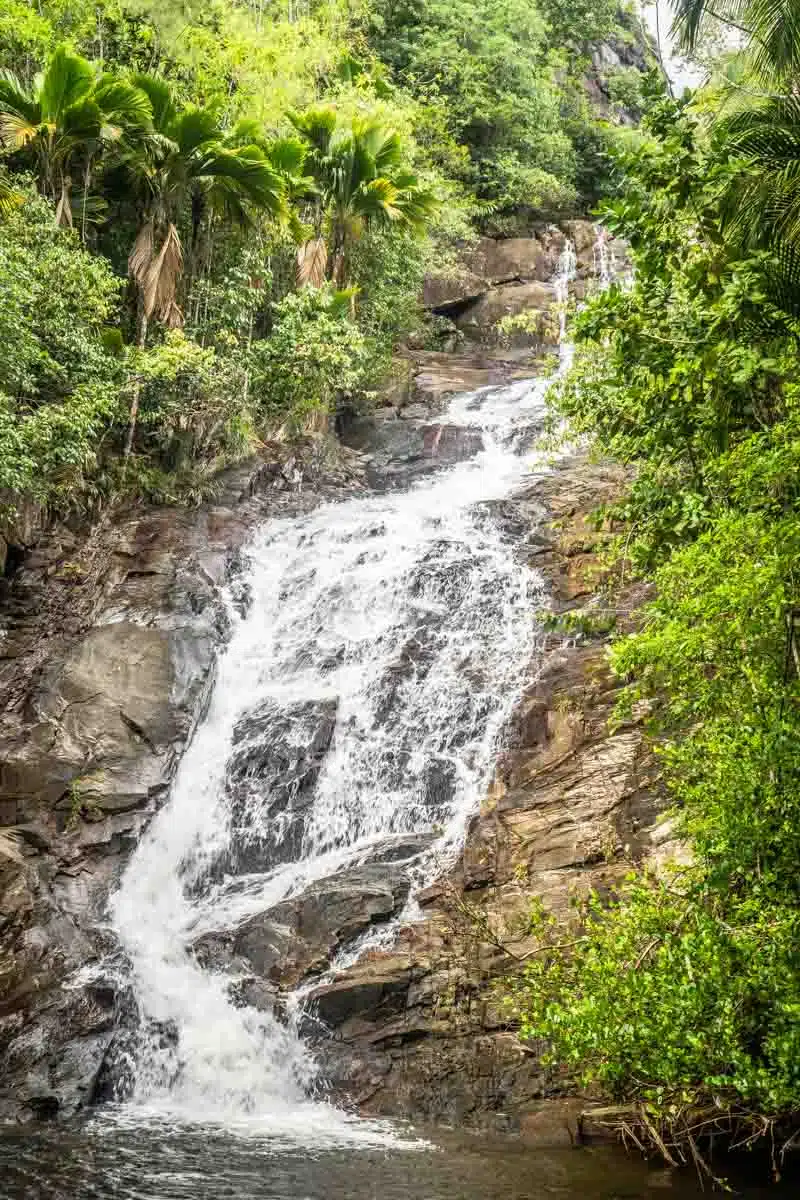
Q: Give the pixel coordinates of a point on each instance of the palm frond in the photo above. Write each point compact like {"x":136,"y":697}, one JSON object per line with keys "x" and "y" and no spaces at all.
{"x":775,"y":28}
{"x":771,"y":29}
{"x":161,"y":281}
{"x":141,"y":256}
{"x":195,"y":128}
{"x":383,"y":144}
{"x":20,"y":113}
{"x":376,"y":201}
{"x":162,"y":101}
{"x":81,"y":122}
{"x":67,"y":80}
{"x":287,"y":155}
{"x":316,"y":125}
{"x":416,"y":204}
{"x":246,"y":132}
{"x":10,"y":198}
{"x":246,"y":172}
{"x":122,"y":104}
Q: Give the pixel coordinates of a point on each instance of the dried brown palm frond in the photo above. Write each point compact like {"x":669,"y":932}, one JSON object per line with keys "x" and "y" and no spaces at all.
{"x":141,"y":256}
{"x":162,"y":278}
{"x":312,"y":263}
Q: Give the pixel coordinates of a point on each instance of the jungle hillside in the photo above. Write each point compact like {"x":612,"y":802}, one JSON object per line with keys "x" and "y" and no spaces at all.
{"x":216,"y":218}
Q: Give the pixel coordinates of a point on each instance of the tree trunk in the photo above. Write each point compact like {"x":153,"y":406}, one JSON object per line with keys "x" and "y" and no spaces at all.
{"x":137,"y":391}
{"x":338,"y":259}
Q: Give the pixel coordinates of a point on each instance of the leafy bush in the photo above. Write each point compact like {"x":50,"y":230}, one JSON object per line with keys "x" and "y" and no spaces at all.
{"x":190,"y":160}
{"x":485,"y":79}
{"x":58,"y":381}
{"x":192,"y":405}
{"x":682,"y":991}
{"x":689,"y":984}
{"x":314,"y":354}
{"x":55,"y":301}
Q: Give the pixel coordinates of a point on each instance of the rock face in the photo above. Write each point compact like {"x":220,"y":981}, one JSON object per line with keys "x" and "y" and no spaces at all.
{"x":444,"y":292}
{"x":504,"y":277}
{"x":277,"y":761}
{"x":108,"y":647}
{"x":419,"y":1030}
{"x":509,"y":300}
{"x":300,"y":937}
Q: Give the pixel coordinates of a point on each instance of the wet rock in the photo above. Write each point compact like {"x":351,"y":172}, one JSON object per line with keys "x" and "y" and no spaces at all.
{"x":373,"y":994}
{"x":451,"y":443}
{"x":494,"y":261}
{"x":439,"y":376}
{"x":480,"y":319}
{"x":301,"y":936}
{"x":409,"y":446}
{"x":412,"y":662}
{"x":501,"y":260}
{"x":21,"y":525}
{"x":55,"y":1063}
{"x":277,"y":758}
{"x":400,"y":847}
{"x":582,"y":234}
{"x":441,"y":780}
{"x":419,"y":1029}
{"x":109,"y":636}
{"x":442,"y":293}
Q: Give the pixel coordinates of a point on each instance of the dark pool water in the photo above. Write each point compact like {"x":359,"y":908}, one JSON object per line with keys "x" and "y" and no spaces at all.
{"x":155,"y":1162}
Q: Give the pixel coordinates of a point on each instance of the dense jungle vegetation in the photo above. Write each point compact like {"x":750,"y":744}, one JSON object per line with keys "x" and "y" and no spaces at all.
{"x":679,"y":997}
{"x":215,"y":217}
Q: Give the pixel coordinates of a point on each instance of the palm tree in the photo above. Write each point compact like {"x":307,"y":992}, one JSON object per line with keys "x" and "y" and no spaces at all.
{"x":758,"y":124}
{"x":66,"y":118}
{"x":362,"y":180}
{"x":186,"y":172}
{"x":770,"y":30}
{"x":287,"y":156}
{"x":186,"y":169}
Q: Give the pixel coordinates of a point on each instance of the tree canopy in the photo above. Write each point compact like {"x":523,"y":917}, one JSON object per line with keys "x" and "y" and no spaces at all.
{"x":209,"y":170}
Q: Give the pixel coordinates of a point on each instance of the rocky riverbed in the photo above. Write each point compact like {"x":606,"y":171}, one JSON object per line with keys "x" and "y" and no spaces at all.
{"x":109,"y":642}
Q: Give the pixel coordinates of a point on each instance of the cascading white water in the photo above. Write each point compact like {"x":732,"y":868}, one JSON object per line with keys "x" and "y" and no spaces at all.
{"x":565,"y":273}
{"x":361,"y":698}
{"x":605,"y":264}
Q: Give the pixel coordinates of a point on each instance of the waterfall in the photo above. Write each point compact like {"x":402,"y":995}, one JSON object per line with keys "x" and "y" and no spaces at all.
{"x":565,"y":272}
{"x":360,"y":703}
{"x":605,"y":263}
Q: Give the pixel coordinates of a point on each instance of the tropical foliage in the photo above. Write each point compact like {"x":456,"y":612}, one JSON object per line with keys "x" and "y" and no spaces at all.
{"x":361,"y":180}
{"x":498,"y":100}
{"x":196,"y":179}
{"x":681,"y":994}
{"x":62,"y":123}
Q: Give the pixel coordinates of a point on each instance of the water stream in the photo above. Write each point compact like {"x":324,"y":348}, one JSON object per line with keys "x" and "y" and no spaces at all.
{"x":357,"y":712}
